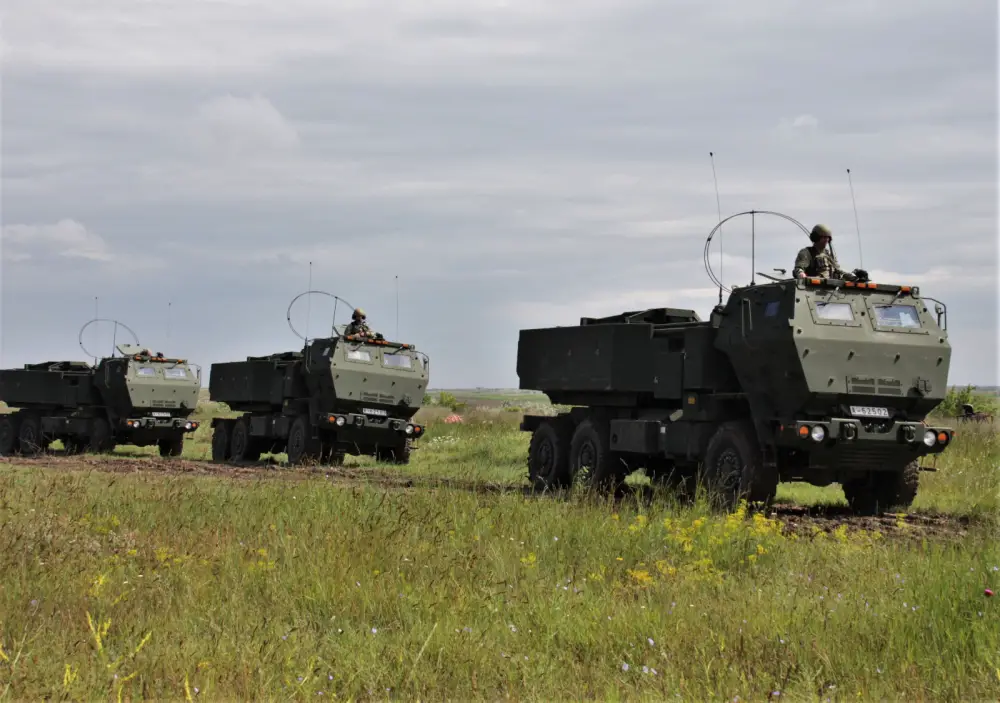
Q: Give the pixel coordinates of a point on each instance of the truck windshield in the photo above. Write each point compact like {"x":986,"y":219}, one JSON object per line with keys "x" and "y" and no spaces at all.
{"x":897,"y":316}
{"x":358,"y":355}
{"x":834,"y":311}
{"x":175,"y":372}
{"x":145,"y":371}
{"x":399,"y":361}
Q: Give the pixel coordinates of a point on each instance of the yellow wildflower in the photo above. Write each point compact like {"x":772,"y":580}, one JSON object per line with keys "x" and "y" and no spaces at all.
{"x":640,"y":576}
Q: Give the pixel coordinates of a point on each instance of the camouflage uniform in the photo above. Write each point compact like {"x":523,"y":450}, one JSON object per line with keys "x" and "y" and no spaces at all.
{"x":817,"y":263}
{"x":811,"y":261}
{"x":358,"y":325}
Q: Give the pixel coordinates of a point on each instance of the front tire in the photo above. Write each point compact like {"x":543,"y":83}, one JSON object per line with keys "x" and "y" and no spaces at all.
{"x":171,"y":446}
{"x":400,"y":454}
{"x":101,"y":441}
{"x":734,"y":467}
{"x":302,"y":447}
{"x":882,"y":491}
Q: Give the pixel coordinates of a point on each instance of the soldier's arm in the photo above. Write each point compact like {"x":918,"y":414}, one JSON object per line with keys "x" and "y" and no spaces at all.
{"x":801,"y":264}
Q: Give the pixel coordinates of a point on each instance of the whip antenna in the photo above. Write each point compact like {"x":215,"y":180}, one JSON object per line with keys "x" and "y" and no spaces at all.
{"x":718,"y":206}
{"x":861,"y":258}
{"x":309,"y":301}
{"x":96,"y":315}
{"x":397,"y":307}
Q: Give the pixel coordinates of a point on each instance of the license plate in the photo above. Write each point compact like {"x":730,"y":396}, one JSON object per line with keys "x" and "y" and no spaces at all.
{"x":155,"y":414}
{"x":865,"y":411}
{"x":375,"y":411}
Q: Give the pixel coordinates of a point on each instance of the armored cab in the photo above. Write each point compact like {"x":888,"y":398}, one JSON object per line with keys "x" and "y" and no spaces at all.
{"x":138,"y":398}
{"x":817,"y":380}
{"x":343,"y":394}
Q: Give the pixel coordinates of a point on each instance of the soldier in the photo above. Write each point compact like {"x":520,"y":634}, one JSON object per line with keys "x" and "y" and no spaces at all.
{"x":817,"y":260}
{"x":358,"y":325}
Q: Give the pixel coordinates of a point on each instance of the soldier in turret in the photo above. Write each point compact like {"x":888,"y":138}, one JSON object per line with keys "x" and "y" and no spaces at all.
{"x":818,"y":260}
{"x":358,"y":324}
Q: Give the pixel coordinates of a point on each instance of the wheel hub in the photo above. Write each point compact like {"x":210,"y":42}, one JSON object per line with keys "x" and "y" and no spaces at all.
{"x":546,"y":457}
{"x":728,"y":468}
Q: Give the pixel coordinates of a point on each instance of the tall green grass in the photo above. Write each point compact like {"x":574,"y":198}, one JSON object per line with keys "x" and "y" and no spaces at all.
{"x":157,"y":586}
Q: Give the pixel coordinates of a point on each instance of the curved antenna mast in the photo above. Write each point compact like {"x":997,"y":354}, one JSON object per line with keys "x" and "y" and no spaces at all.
{"x":718,"y":207}
{"x":718,"y":227}
{"x":861,"y":258}
{"x":288,"y":313}
{"x":753,"y":246}
{"x":116,"y":323}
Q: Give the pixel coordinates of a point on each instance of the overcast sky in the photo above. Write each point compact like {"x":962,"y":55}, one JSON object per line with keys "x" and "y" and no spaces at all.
{"x":516,"y":163}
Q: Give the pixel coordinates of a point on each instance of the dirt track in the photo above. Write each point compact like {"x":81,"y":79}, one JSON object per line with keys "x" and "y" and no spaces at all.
{"x":803,"y":520}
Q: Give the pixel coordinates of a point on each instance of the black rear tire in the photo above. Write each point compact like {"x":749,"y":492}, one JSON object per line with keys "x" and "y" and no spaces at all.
{"x":220,"y":442}
{"x":8,"y":434}
{"x":592,"y":464}
{"x":74,"y":445}
{"x":548,"y":456}
{"x":29,"y":435}
{"x":242,"y":445}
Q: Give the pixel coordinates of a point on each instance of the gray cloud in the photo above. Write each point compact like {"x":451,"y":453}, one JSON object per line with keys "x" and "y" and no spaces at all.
{"x":516,"y":163}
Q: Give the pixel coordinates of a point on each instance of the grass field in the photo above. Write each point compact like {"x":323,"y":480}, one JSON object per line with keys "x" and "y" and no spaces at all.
{"x":134,"y":577}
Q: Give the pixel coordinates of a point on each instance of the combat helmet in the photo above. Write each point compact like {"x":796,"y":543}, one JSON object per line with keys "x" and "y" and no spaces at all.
{"x":358,"y":314}
{"x":820,"y":231}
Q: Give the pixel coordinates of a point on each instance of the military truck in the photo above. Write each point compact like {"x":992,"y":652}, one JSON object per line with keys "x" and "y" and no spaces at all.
{"x":138,"y":398}
{"x":341,"y":394}
{"x":816,"y":380}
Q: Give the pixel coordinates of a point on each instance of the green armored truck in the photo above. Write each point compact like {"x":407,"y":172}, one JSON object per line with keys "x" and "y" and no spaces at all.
{"x":138,"y":398}
{"x":806,"y":379}
{"x":343,"y":394}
